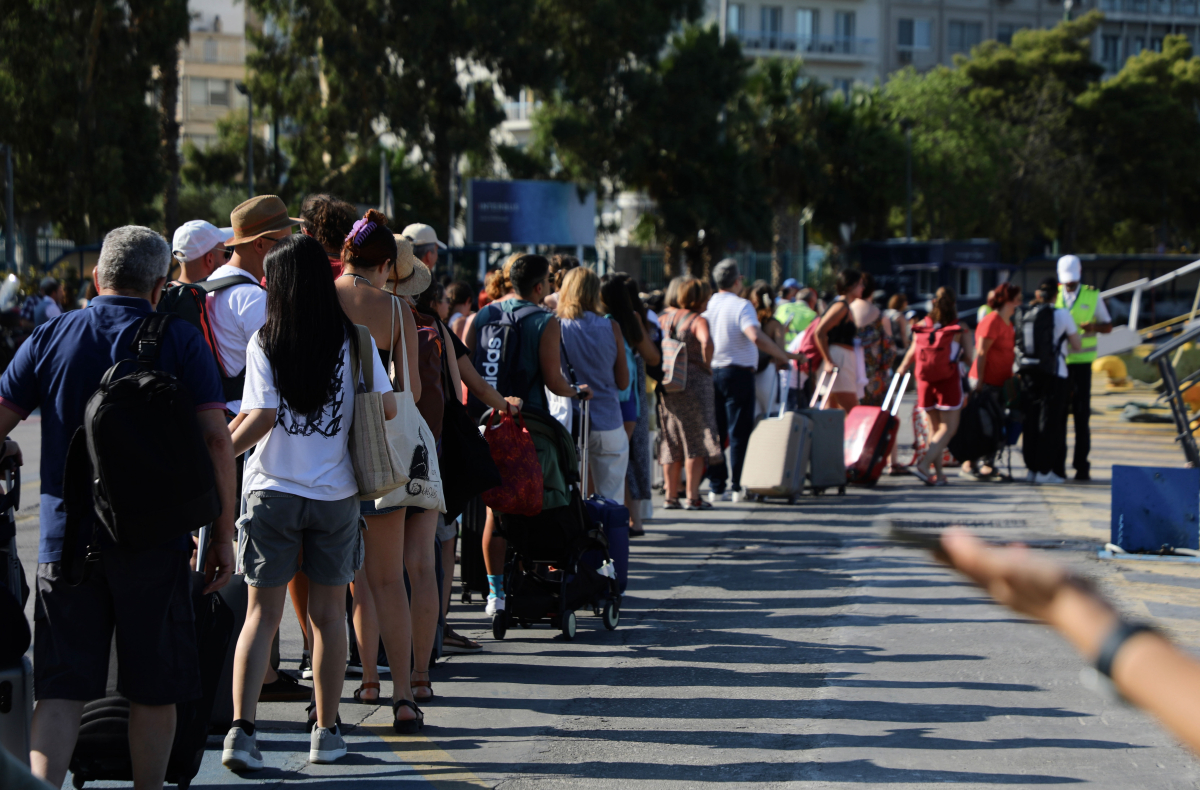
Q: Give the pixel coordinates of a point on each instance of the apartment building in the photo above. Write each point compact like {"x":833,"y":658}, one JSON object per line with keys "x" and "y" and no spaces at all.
{"x":210,"y":66}
{"x":1131,"y":26}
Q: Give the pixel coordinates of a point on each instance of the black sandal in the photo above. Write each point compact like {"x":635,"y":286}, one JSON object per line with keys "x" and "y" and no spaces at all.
{"x":367,"y":686}
{"x":407,"y":726}
{"x":672,"y":504}
{"x":312,"y":723}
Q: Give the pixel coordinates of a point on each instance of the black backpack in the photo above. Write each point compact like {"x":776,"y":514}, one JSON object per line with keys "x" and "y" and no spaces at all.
{"x":1043,"y":356}
{"x":189,"y":302}
{"x":139,"y":460}
{"x":497,"y":352}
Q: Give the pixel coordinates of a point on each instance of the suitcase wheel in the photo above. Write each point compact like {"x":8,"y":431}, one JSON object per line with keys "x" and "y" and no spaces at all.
{"x":818,"y":491}
{"x":78,"y":781}
{"x":568,"y":626}
{"x":499,"y":624}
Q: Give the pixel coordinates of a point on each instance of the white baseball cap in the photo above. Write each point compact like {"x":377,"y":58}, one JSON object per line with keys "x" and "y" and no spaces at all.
{"x":420,"y":233}
{"x":1070,"y":269}
{"x":196,"y":238}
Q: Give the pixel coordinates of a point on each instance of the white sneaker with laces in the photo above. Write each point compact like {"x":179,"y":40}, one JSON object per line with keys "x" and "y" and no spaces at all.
{"x":241,"y":751}
{"x":1031,"y":477}
{"x":736,"y":496}
{"x":494,"y":605}
{"x":1049,"y":479}
{"x":326,"y":746}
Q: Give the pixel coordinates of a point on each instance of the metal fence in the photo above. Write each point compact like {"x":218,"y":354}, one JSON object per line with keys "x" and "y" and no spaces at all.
{"x":753,"y":265}
{"x":47,"y":250}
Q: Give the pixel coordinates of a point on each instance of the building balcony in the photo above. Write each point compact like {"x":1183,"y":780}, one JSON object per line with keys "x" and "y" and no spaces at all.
{"x":841,"y":48}
{"x":520,"y":110}
{"x":1186,"y":8}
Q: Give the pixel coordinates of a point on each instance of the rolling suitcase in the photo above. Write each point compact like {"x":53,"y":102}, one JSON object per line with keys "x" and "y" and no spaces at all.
{"x":612,"y":516}
{"x":778,"y":454}
{"x":826,"y":467}
{"x":16,"y":708}
{"x":472,"y":573}
{"x":102,"y":749}
{"x":871,"y":433}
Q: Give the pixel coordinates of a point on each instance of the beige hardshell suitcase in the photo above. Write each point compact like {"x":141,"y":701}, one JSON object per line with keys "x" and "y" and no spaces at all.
{"x":778,"y":454}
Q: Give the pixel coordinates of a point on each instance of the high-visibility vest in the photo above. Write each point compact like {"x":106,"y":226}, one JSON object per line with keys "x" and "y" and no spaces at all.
{"x":1083,"y":312}
{"x":982,"y":312}
{"x":795,"y":317}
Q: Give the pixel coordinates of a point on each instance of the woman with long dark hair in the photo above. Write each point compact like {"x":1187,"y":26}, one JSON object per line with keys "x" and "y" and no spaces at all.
{"x":939,"y":380}
{"x":300,"y":486}
{"x":625,"y":307}
{"x":372,"y":255}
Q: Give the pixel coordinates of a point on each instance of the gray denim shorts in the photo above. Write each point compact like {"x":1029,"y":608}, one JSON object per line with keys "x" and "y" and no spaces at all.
{"x":280,"y":524}
{"x":446,"y":531}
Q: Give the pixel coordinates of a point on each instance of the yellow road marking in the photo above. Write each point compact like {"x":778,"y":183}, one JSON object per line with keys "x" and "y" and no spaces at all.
{"x":428,"y":759}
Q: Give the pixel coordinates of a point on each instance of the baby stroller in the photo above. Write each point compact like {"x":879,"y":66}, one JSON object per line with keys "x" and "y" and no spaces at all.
{"x":546,"y":577}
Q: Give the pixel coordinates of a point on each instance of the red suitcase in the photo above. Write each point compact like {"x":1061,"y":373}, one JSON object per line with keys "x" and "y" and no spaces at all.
{"x":871,"y":433}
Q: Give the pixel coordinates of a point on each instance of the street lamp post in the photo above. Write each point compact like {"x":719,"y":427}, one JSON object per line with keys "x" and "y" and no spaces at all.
{"x":242,"y":89}
{"x":906,"y":125}
{"x":1067,"y":4}
{"x":10,"y":224}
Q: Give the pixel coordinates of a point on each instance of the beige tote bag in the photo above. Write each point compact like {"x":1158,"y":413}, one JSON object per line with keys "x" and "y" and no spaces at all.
{"x":377,"y":467}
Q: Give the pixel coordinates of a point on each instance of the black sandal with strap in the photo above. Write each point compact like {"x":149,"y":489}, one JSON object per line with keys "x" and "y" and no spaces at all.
{"x":312,"y":723}
{"x":407,"y":726}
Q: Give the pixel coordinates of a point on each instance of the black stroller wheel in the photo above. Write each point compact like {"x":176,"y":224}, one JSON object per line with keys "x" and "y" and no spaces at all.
{"x":612,"y":615}
{"x":500,"y":624}
{"x":568,"y":625}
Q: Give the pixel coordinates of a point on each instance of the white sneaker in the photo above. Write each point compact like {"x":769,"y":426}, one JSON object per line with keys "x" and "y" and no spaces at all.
{"x":1049,"y":479}
{"x":736,"y":496}
{"x":494,"y":605}
{"x":241,"y":751}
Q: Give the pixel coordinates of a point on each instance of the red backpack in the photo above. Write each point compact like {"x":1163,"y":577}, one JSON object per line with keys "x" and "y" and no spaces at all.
{"x":933,"y":360}
{"x":808,"y":346}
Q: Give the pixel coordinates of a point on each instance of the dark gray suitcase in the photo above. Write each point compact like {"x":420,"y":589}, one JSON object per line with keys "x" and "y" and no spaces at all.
{"x":827,"y":467}
{"x":16,"y":709}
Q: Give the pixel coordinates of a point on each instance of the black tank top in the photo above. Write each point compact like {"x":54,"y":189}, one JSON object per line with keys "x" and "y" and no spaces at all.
{"x":844,"y":333}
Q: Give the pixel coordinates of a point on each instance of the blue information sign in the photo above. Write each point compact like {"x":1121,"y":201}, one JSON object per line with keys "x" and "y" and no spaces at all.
{"x":530,"y":212}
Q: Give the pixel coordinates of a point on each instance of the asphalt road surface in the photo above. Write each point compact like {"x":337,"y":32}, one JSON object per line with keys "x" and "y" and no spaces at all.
{"x":766,"y":645}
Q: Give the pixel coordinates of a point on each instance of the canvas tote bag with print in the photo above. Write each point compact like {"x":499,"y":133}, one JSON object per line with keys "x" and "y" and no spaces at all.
{"x":675,"y":355}
{"x":377,"y":467}
{"x":413,"y":442}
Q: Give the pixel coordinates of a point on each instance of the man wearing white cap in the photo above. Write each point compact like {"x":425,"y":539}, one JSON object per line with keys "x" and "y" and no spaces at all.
{"x":1091,"y":316}
{"x":199,"y":247}
{"x":425,"y":244}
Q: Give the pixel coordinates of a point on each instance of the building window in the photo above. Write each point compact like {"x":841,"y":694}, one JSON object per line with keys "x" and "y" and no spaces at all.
{"x":735,"y":15}
{"x":210,"y":50}
{"x":806,"y":28}
{"x":213,"y":93}
{"x":1110,"y":52}
{"x":913,"y":34}
{"x":926,"y":282}
{"x":772,"y":26}
{"x":964,"y":35}
{"x":970,"y":282}
{"x":842,"y":86}
{"x":1005,"y":32}
{"x":843,"y":31}
{"x":1156,"y":44}
{"x":1137,"y":45}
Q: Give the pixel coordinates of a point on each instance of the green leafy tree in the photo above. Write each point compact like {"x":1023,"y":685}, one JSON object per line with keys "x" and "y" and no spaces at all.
{"x":87,"y":145}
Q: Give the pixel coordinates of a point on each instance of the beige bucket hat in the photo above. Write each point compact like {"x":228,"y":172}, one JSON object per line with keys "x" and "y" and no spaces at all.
{"x":411,"y":277}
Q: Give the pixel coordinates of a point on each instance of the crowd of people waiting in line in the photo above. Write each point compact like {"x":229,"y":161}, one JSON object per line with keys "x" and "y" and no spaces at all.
{"x":274,"y":383}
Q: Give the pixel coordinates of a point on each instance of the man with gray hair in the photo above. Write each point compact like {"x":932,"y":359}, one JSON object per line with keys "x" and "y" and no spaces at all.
{"x":737,"y":339}
{"x":58,"y":369}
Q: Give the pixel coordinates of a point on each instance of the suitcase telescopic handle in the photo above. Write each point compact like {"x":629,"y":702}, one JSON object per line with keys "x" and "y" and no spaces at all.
{"x":584,"y":432}
{"x":783,"y":393}
{"x":826,"y":377}
{"x":894,"y":396}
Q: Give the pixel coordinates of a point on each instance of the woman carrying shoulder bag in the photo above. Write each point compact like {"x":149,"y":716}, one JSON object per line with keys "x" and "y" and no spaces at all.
{"x":370,"y":257}
{"x":300,"y":485}
{"x":834,"y":338}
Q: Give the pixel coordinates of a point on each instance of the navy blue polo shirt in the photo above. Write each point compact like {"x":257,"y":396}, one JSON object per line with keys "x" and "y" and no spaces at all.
{"x":59,"y":368}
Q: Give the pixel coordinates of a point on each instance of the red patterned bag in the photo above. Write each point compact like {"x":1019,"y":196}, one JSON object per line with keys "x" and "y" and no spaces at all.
{"x":520,"y":492}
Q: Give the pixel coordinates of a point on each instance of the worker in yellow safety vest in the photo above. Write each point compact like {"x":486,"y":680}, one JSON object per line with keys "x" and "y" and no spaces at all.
{"x":1091,"y":316}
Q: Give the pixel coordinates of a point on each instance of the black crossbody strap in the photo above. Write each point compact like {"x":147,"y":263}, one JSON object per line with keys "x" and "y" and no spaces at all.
{"x":148,"y":342}
{"x":77,"y":498}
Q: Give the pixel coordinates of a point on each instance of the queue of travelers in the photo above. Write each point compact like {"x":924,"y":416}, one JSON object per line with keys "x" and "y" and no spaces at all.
{"x":298,"y":325}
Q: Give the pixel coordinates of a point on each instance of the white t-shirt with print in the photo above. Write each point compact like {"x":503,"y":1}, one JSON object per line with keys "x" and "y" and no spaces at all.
{"x":235,"y":314}
{"x":303,"y":456}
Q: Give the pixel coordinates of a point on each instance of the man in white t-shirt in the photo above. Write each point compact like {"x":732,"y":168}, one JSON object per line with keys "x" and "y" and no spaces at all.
{"x":1045,"y":427}
{"x":737,"y":338}
{"x":237,"y":313}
